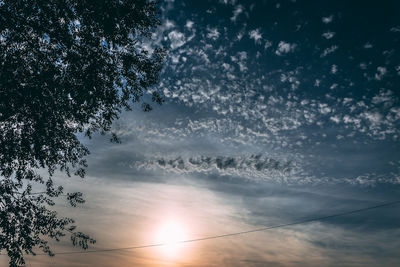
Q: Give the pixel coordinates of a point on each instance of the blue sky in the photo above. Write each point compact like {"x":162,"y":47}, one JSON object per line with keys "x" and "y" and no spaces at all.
{"x":274,"y":111}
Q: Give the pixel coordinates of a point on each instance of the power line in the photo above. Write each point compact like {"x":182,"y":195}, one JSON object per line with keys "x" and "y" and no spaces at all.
{"x":232,"y":234}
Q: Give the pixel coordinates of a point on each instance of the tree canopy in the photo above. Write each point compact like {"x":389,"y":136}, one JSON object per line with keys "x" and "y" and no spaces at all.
{"x":66,"y":67}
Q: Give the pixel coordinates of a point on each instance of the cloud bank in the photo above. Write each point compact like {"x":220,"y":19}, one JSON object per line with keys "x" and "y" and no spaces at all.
{"x":253,"y":166}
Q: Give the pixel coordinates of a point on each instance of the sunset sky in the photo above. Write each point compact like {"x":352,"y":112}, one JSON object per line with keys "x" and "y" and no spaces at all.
{"x":275,"y":112}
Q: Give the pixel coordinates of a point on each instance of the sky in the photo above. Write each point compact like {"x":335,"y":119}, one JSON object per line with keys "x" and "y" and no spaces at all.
{"x":275,"y":112}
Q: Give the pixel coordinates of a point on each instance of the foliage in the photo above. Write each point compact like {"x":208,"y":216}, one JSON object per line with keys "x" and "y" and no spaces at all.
{"x":66,"y":67}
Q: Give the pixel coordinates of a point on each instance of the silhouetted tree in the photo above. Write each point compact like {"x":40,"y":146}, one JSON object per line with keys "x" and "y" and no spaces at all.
{"x":66,"y":67}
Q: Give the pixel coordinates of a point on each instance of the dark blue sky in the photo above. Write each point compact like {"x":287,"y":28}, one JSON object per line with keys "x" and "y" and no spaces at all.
{"x":317,"y":79}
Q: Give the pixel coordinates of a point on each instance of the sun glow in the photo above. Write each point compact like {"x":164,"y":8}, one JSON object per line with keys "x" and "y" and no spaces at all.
{"x":170,"y":234}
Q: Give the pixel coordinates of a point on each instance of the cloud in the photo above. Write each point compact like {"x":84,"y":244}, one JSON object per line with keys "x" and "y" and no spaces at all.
{"x":373,"y":179}
{"x":255,"y":35}
{"x":373,"y":117}
{"x":327,"y":20}
{"x":329,"y":50}
{"x":254,"y":166}
{"x":334,"y":69}
{"x":238,"y":10}
{"x":233,"y":81}
{"x":267,"y":44}
{"x":189,"y":24}
{"x":284,"y":48}
{"x":385,"y":97}
{"x":177,"y":39}
{"x":395,"y":29}
{"x":335,"y":119}
{"x":213,"y":33}
{"x":381,"y":71}
{"x":328,"y":35}
{"x":368,"y":45}
{"x":324,"y":108}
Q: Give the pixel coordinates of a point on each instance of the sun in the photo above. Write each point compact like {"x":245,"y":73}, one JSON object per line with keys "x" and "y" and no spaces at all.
{"x":170,"y":235}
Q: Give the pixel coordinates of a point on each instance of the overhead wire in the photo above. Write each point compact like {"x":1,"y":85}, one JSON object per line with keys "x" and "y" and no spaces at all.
{"x":231,"y":234}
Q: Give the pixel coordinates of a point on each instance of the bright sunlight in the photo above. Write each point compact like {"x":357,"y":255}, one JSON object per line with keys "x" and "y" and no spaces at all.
{"x":170,"y":234}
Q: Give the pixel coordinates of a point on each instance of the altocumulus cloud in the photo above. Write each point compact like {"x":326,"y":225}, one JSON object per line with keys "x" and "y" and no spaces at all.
{"x":253,"y":166}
